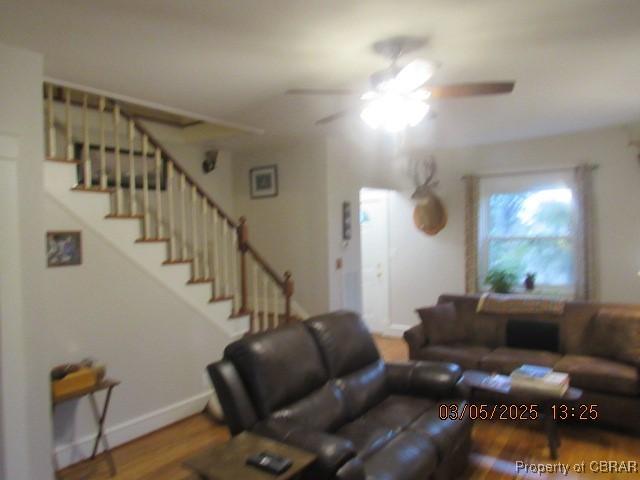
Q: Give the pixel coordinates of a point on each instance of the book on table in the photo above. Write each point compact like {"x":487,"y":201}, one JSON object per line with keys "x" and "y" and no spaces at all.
{"x":537,"y":379}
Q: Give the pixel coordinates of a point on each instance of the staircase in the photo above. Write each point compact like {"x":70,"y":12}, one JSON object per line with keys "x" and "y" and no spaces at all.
{"x":101,"y":158}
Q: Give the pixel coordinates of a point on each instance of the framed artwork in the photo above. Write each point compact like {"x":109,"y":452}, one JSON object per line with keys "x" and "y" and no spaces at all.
{"x":263,"y":181}
{"x":64,"y":248}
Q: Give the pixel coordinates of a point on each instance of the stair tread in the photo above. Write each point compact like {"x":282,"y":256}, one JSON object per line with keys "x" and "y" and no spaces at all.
{"x":80,"y":188}
{"x":177,"y":262}
{"x":151,"y":240}
{"x":73,"y":161}
{"x":127,"y":216}
{"x":194,"y":281}
{"x":221,"y":299}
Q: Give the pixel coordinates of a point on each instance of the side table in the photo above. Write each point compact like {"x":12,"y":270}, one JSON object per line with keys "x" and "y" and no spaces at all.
{"x":98,"y":415}
{"x":228,"y":460}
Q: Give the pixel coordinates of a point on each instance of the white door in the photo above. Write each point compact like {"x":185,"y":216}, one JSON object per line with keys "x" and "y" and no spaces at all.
{"x":374,"y":239}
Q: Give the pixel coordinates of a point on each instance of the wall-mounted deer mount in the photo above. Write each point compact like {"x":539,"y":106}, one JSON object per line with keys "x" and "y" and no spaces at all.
{"x":429,"y":214}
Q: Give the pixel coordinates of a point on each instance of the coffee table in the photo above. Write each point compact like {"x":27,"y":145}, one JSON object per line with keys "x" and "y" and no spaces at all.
{"x":482,"y":388}
{"x":228,"y":460}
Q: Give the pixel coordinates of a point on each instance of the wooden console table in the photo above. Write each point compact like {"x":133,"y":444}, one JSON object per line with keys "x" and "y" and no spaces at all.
{"x":98,"y":415}
{"x":228,"y":460}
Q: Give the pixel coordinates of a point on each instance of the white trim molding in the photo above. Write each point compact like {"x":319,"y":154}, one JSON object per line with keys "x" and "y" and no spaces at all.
{"x":80,"y":449}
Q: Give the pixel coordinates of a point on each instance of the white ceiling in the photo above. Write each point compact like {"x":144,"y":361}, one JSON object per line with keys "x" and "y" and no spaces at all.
{"x":575,"y":61}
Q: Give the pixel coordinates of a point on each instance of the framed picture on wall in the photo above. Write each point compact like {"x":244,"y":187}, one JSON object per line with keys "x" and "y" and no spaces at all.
{"x":64,"y":248}
{"x":263,"y":181}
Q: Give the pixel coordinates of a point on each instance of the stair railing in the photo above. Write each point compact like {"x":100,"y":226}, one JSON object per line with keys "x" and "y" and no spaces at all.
{"x":172,"y":206}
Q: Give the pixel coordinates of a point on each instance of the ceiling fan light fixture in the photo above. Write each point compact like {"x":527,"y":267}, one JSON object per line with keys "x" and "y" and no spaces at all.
{"x":394,"y":112}
{"x":413,"y":76}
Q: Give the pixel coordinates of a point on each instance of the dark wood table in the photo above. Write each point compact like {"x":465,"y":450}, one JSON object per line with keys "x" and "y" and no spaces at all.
{"x":98,"y":415}
{"x":228,"y":460}
{"x":481,"y":388}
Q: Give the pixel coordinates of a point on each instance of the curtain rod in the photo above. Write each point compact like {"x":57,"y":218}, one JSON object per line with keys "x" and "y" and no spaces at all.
{"x":593,"y":166}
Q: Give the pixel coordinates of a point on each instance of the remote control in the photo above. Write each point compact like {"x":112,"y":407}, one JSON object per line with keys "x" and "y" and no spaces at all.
{"x":269,"y":462}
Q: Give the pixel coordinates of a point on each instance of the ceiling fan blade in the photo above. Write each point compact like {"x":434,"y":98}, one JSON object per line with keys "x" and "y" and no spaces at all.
{"x":331,"y":118}
{"x":319,"y":91}
{"x":470,"y":89}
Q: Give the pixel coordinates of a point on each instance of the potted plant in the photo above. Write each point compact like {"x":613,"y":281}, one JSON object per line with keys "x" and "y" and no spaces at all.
{"x":530,"y":281}
{"x":501,"y":281}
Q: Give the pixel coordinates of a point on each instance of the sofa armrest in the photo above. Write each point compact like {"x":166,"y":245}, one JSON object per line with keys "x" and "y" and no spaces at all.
{"x":431,"y":379}
{"x":332,"y":452}
{"x":416,"y":339}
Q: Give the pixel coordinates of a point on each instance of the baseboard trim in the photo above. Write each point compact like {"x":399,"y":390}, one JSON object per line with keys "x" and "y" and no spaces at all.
{"x":80,"y":449}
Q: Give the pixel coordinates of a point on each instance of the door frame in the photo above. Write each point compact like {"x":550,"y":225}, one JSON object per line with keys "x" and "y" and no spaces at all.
{"x":382,"y":194}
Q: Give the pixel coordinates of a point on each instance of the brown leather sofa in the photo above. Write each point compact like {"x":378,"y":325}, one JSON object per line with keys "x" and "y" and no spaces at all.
{"x":321,"y":385}
{"x":599,"y":350}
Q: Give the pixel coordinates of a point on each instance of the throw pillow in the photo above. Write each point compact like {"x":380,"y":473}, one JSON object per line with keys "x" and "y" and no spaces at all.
{"x":615,"y":333}
{"x":441,"y":324}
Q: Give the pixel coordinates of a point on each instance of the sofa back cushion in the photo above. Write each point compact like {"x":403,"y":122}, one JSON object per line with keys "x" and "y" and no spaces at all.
{"x":344,"y":342}
{"x":325,"y":409}
{"x":442,"y":325}
{"x":614,"y":333}
{"x":532,"y":334}
{"x":278,"y":367}
{"x":483,"y":329}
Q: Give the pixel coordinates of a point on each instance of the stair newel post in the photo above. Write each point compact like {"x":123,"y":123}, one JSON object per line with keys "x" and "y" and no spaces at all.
{"x":103,"y":154}
{"x":217,"y":273}
{"x":243,"y":239}
{"x":159,"y":225}
{"x":288,"y":293}
{"x":86,"y":157}
{"x":145,"y":186}
{"x":132,"y":169}
{"x":67,"y":119}
{"x":172,"y":238}
{"x":116,"y":143}
{"x":51,"y":128}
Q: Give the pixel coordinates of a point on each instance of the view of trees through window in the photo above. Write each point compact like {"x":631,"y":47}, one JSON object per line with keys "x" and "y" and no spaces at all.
{"x":531,"y":231}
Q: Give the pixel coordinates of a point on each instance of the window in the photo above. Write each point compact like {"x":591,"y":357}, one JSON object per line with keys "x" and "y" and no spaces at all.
{"x":527,"y":225}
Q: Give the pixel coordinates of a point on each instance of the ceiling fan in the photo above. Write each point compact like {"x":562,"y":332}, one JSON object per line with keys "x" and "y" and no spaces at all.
{"x":398,"y":95}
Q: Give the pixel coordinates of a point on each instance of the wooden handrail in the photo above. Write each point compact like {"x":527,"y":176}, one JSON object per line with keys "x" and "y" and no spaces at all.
{"x":284,"y":283}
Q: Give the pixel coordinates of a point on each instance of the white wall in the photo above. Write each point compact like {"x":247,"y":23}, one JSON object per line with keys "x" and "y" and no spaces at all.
{"x":26,"y":428}
{"x":424,"y":267}
{"x":158,"y":346}
{"x":290,"y":229}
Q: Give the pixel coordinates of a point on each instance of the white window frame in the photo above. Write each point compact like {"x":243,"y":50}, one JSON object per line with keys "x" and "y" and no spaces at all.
{"x":514,"y":183}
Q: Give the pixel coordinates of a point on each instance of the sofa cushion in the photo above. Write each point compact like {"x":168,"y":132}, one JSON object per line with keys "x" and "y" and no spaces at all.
{"x":441,"y":324}
{"x":364,"y":389}
{"x":409,"y":456}
{"x":615,"y":333}
{"x":325,"y":409}
{"x":599,"y":374}
{"x":344,"y":341}
{"x":505,"y":360}
{"x":367,"y":437}
{"x":398,"y":411}
{"x":467,"y":356}
{"x":278,"y":367}
{"x":445,"y":434}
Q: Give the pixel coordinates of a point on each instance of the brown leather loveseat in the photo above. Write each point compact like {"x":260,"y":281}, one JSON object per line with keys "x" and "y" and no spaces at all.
{"x":321,"y":385}
{"x":597,"y":344}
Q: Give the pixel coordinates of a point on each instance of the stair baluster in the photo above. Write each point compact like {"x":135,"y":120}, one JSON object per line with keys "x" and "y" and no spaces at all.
{"x":51,"y":128}
{"x":145,"y":187}
{"x":205,"y":240}
{"x":133,"y":208}
{"x":103,"y":154}
{"x":159,"y":225}
{"x":116,"y":140}
{"x":67,"y":116}
{"x":170,"y":207}
{"x":217,"y":275}
{"x":86,"y":142}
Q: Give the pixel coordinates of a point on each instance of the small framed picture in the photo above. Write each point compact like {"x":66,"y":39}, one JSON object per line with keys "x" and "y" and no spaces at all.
{"x":264,"y":181}
{"x":64,"y":248}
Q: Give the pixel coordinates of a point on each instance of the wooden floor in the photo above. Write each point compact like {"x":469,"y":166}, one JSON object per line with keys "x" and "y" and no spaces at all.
{"x":497,"y":446}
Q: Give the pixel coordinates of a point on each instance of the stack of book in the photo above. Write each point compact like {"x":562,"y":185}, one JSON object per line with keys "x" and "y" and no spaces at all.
{"x":536,"y":379}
